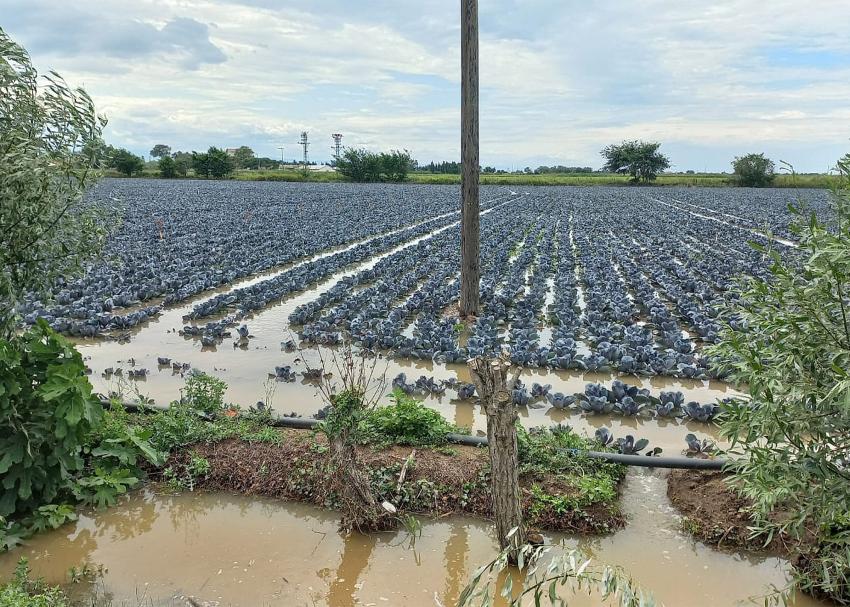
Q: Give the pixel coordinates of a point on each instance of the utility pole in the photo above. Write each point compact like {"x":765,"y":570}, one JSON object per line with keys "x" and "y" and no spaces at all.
{"x":304,"y":144}
{"x":281,"y":156}
{"x":337,"y":137}
{"x":470,"y":264}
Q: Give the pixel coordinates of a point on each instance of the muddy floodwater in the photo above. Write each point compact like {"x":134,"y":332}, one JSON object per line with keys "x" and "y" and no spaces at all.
{"x":246,"y":367}
{"x":223,"y":549}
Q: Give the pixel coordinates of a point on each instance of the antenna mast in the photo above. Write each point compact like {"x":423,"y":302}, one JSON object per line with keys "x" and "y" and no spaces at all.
{"x":337,"y":145}
{"x":304,"y":144}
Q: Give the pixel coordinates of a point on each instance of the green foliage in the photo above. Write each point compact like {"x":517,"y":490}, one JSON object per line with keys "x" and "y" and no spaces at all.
{"x":639,"y":159}
{"x":346,"y":416}
{"x":23,"y":591}
{"x":167,"y":167}
{"x":182,"y":163}
{"x":49,"y":132}
{"x":753,"y":170}
{"x":126,"y":162}
{"x":205,"y":392}
{"x":405,"y":422}
{"x":244,"y":157}
{"x":364,"y":166}
{"x":549,"y":577}
{"x":791,"y":430}
{"x":103,"y":487}
{"x":186,"y":476}
{"x":46,"y":410}
{"x":213,"y":163}
{"x":160,"y":150}
{"x":551,"y":452}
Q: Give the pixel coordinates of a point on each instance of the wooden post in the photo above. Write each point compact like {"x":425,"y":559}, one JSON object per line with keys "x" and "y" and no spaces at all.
{"x":490,"y":377}
{"x":470,"y":264}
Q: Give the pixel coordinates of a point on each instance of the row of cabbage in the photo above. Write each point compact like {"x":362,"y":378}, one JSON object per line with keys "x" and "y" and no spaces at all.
{"x":178,"y":239}
{"x":588,"y":279}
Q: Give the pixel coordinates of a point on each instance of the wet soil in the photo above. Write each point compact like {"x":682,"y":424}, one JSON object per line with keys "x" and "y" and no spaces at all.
{"x":452,"y":480}
{"x":714,"y":513}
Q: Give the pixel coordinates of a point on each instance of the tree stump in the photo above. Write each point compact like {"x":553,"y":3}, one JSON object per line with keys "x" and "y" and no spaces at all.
{"x":490,"y":377}
{"x":361,"y":510}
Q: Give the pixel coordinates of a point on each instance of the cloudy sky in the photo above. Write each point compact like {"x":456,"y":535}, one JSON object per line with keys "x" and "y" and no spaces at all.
{"x":560,"y":79}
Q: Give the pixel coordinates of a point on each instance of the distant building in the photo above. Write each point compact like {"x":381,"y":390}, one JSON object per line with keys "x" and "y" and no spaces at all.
{"x":231,"y":151}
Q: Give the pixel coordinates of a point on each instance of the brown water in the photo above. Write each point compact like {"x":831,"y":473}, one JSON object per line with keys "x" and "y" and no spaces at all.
{"x":237,"y":550}
{"x":246,"y":369}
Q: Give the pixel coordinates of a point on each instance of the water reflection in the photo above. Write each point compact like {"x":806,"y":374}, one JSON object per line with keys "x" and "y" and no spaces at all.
{"x":356,"y":552}
{"x":238,"y":550}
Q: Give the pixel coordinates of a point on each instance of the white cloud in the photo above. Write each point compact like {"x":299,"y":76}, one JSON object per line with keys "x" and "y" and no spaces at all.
{"x":559,"y":80}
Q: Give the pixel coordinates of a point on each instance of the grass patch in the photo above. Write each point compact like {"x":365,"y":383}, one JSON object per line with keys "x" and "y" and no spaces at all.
{"x":807,"y":180}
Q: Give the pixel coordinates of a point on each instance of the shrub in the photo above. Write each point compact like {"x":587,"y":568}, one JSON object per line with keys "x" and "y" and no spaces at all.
{"x":406,"y":422}
{"x":753,"y":170}
{"x":46,"y":411}
{"x":364,"y":166}
{"x":205,"y":393}
{"x":790,"y":351}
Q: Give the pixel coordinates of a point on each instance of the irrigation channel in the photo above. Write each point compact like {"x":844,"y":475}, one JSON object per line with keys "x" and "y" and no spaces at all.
{"x":236,"y":550}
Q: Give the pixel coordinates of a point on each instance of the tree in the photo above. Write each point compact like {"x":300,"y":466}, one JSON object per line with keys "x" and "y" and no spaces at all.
{"x":167,"y":167}
{"x":182,"y":163}
{"x":219,"y":163}
{"x":243,"y":157}
{"x":753,"y":170}
{"x":160,"y":150}
{"x":48,"y":136}
{"x":126,"y":162}
{"x":790,"y":350}
{"x":395,"y":165}
{"x":494,"y":388}
{"x":640,"y":159}
{"x":201,"y":164}
{"x":347,"y":387}
{"x":364,"y":166}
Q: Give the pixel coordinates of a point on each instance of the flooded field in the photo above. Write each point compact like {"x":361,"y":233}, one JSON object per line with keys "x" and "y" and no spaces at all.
{"x":247,"y":368}
{"x":234,"y":550}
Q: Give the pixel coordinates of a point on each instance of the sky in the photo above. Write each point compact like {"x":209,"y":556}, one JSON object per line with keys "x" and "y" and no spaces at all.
{"x":560,"y":79}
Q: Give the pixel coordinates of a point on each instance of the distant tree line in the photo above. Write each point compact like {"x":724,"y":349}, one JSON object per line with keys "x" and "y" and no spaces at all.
{"x":451,"y":167}
{"x":361,"y":165}
{"x":641,"y":160}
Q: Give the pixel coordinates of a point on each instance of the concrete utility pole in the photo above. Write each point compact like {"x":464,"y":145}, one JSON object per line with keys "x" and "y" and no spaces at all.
{"x":470,"y":264}
{"x":281,"y":156}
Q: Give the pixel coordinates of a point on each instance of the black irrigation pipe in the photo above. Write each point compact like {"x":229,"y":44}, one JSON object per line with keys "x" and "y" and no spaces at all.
{"x":301,"y":423}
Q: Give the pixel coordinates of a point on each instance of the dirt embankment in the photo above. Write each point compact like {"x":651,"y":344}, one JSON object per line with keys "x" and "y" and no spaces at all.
{"x":714,"y":513}
{"x":452,"y":480}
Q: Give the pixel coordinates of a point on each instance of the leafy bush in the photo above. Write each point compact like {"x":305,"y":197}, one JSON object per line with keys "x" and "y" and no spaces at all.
{"x":46,"y":411}
{"x":788,"y":345}
{"x":753,"y":170}
{"x":364,"y":166}
{"x":406,"y":422}
{"x":205,"y":392}
{"x":23,"y":591}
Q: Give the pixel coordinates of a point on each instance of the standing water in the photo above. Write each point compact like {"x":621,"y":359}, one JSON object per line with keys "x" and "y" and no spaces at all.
{"x":222,"y":549}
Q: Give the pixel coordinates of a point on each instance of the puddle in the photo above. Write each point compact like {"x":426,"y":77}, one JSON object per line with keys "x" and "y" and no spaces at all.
{"x":236,"y":550}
